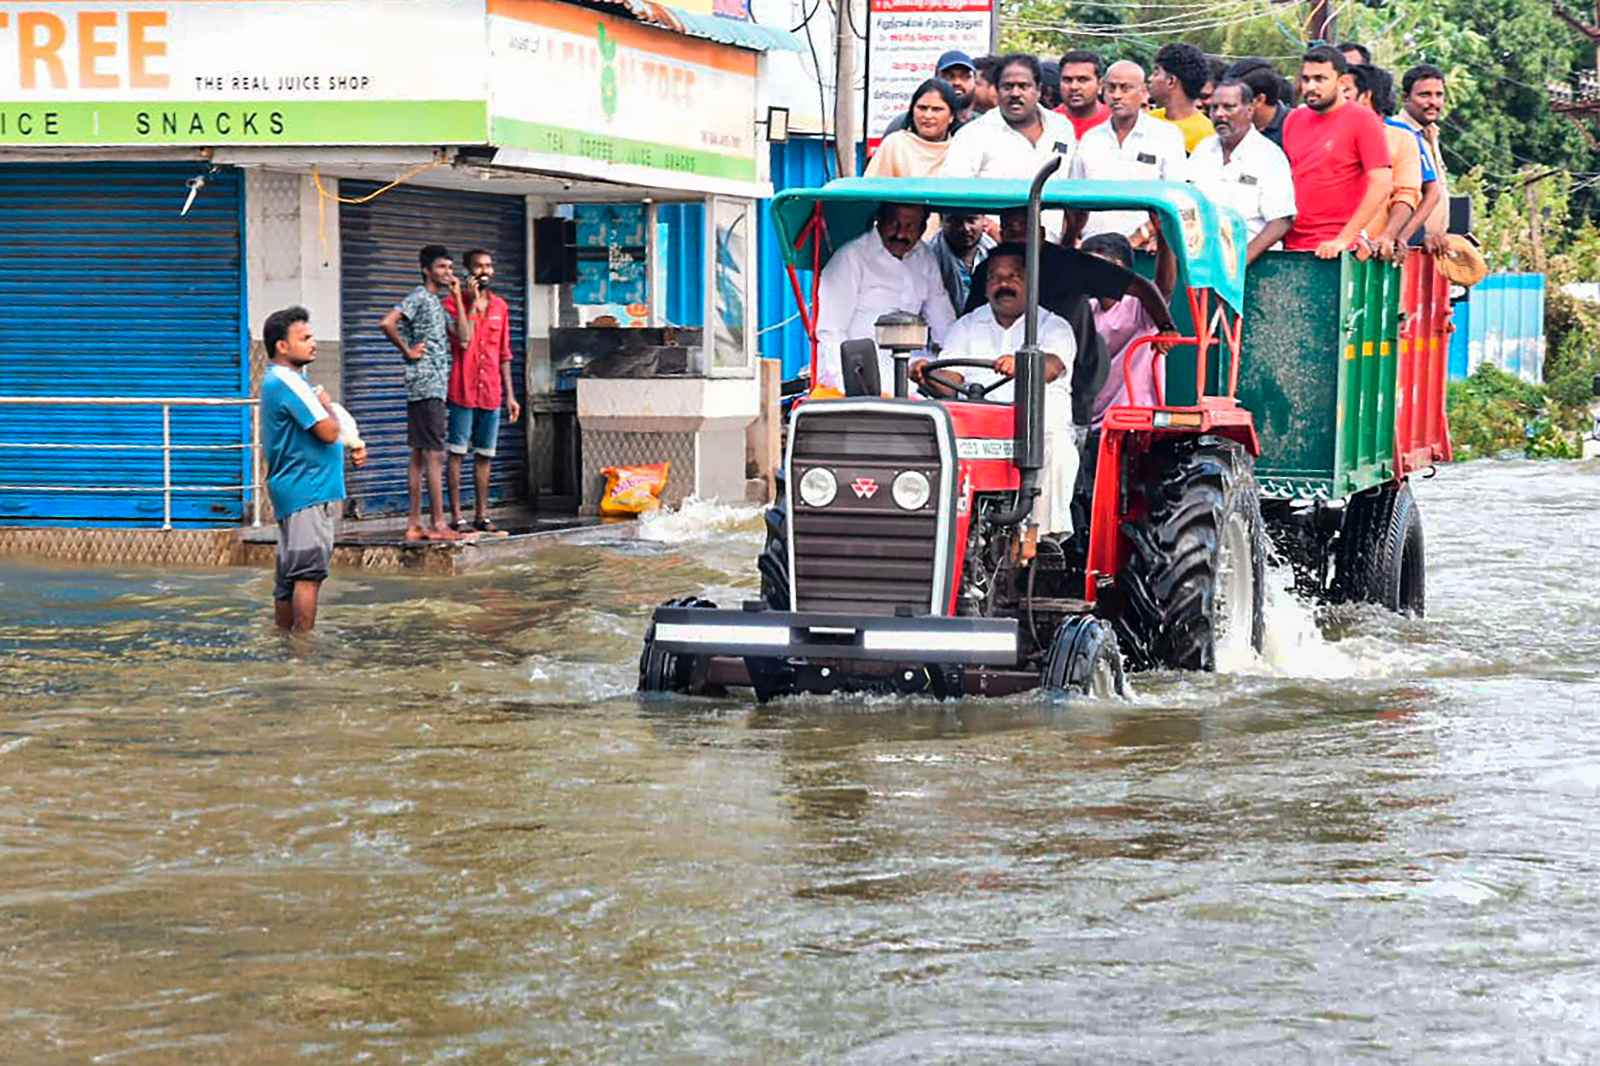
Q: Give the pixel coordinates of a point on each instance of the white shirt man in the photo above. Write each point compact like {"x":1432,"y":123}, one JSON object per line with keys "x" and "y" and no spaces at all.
{"x":1255,"y":180}
{"x":988,"y":147}
{"x":980,"y":335}
{"x":888,"y":268}
{"x":1015,"y":138}
{"x":1151,"y":151}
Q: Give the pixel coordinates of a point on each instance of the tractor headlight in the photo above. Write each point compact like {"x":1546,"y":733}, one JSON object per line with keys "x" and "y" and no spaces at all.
{"x":818,"y":487}
{"x":911,"y":490}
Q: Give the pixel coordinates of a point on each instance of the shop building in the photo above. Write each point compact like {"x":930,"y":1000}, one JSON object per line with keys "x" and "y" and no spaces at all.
{"x":171,"y":172}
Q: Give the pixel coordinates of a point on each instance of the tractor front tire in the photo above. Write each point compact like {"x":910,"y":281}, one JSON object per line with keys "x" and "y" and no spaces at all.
{"x":1196,"y":575}
{"x":1084,"y":660}
{"x":773,"y":562}
{"x":665,"y":671}
{"x":1382,"y":557}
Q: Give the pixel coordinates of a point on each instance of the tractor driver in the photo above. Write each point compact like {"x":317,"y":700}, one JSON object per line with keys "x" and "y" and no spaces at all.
{"x":1068,"y":279}
{"x":995,"y":330}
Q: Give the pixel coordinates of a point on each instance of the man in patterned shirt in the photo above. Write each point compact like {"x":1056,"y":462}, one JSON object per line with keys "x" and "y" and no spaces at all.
{"x":420,"y":329}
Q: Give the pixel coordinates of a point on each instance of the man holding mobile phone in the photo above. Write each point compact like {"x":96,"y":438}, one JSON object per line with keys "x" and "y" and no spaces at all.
{"x":480,"y":378}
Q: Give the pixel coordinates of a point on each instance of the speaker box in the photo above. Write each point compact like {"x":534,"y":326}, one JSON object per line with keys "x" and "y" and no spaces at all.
{"x":555,"y":251}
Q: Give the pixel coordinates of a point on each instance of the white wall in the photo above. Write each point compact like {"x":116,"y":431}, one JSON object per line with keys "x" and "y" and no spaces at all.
{"x":289,"y":260}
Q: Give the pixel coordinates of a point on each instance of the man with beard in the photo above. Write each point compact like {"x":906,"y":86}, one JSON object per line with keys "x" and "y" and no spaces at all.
{"x":480,"y":376}
{"x":1339,"y":157}
{"x":958,"y":247}
{"x":955,"y":67}
{"x":1080,"y":92}
{"x":1132,"y":146}
{"x":887,"y":268}
{"x":995,"y":331}
{"x":1423,"y":96}
{"x":1243,"y":170}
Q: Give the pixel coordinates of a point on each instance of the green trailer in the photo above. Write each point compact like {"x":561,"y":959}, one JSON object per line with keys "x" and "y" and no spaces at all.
{"x":1343,"y":366}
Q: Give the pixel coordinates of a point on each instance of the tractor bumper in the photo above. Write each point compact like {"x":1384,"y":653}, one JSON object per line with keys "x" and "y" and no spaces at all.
{"x":782,"y":652}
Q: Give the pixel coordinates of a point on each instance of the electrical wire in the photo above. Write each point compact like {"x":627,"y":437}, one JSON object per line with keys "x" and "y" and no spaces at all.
{"x":822,"y":95}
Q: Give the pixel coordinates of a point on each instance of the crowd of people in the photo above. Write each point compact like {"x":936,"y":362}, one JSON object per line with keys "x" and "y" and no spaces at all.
{"x":453,"y":333}
{"x":1332,"y":163}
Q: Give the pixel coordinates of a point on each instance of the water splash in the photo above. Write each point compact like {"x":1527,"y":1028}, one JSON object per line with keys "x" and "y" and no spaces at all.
{"x":699,"y":520}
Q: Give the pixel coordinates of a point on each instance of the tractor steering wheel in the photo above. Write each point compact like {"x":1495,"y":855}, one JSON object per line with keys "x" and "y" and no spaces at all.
{"x":970,"y":391}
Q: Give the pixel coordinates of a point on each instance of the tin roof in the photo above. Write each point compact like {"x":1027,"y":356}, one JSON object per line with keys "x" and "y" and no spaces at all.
{"x":739,"y":34}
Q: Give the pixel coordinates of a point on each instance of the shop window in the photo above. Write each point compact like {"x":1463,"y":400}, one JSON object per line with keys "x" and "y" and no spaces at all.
{"x":731,"y":338}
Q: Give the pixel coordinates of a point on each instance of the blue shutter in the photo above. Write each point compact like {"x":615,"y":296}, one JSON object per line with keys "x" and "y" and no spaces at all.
{"x":802,"y":162}
{"x":379,"y":241}
{"x":106,"y":291}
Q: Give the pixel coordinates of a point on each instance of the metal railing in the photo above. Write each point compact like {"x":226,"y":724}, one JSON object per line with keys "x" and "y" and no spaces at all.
{"x":166,"y":447}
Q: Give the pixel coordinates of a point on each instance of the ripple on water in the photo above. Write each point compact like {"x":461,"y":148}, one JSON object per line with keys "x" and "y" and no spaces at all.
{"x":443,"y":827}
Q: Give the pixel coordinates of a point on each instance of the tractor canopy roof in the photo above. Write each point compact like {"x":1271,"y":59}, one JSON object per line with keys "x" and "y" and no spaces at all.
{"x":1210,"y":254}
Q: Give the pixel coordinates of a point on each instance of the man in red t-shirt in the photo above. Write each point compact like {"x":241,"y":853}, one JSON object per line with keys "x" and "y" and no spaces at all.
{"x":480,"y":375}
{"x":1339,"y":157}
{"x":1080,"y":92}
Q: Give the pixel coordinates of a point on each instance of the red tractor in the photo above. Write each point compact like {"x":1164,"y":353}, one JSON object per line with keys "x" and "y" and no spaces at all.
{"x":900,"y":556}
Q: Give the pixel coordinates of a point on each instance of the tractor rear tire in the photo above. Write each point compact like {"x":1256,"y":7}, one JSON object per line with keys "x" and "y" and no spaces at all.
{"x":773,"y":562}
{"x":665,"y":671}
{"x":1382,"y":557}
{"x":1196,"y":575}
{"x":1084,"y":660}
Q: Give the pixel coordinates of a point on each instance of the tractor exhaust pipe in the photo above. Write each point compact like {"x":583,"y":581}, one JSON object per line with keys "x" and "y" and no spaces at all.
{"x":1028,"y":392}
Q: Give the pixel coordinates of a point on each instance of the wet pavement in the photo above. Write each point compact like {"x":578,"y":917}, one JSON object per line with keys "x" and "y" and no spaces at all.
{"x":444,"y":829}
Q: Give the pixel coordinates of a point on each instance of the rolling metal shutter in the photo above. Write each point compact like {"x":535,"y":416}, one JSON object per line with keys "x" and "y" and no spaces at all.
{"x":379,"y":241}
{"x":106,"y":291}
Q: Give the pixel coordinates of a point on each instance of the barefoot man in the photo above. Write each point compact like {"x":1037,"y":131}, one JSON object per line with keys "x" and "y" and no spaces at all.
{"x":305,"y":467}
{"x":420,"y":329}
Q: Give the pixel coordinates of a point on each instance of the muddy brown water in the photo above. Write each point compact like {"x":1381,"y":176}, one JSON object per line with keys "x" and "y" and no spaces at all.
{"x":443,"y":829}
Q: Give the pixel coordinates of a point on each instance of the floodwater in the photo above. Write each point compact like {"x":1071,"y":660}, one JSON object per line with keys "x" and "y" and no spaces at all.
{"x":444,"y":829}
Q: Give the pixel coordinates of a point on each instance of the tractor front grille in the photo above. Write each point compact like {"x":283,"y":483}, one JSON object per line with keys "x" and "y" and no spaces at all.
{"x":863,"y":554}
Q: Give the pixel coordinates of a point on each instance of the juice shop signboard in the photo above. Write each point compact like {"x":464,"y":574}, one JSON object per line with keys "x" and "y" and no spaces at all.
{"x":242,"y":72}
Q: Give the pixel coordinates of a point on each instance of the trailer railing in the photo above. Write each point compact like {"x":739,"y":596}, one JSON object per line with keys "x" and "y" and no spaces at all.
{"x":166,"y":447}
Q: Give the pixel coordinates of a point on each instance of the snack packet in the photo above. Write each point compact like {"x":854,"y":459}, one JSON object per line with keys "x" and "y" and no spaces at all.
{"x":634,"y":489}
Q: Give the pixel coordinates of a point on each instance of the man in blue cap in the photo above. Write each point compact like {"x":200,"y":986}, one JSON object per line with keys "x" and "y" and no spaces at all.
{"x":955,"y":67}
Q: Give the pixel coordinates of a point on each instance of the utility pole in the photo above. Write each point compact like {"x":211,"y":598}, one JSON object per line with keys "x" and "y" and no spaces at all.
{"x":994,"y":28}
{"x":1535,"y":233}
{"x":844,"y":91}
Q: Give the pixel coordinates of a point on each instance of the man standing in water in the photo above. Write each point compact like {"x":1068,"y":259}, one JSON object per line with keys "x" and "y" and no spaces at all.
{"x":305,"y":467}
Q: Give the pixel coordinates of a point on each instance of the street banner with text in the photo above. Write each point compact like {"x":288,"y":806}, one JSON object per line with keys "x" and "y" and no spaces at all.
{"x":905,"y":38}
{"x":260,"y":72}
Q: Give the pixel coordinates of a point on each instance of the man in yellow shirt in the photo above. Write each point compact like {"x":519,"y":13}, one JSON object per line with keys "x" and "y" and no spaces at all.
{"x":1175,"y":84}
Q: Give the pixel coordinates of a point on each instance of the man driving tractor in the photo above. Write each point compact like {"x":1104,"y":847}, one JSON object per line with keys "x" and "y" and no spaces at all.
{"x":997,"y":326}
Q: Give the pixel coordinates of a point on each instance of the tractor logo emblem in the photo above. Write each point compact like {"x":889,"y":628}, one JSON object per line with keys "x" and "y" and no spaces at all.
{"x":864,"y":487}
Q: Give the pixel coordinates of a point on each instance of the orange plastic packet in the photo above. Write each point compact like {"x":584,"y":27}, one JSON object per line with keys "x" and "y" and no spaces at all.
{"x":634,"y":489}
